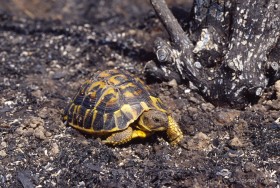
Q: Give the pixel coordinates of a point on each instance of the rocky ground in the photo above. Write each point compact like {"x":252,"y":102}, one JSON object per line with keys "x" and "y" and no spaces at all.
{"x":47,"y":51}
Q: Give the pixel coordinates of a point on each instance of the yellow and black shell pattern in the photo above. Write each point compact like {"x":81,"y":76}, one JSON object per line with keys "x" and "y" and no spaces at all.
{"x":110,"y":101}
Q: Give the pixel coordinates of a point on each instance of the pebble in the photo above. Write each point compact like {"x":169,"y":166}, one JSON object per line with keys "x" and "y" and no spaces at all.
{"x":249,"y":167}
{"x":19,"y":131}
{"x":3,"y":145}
{"x":110,"y":64}
{"x":173,"y":83}
{"x":234,"y":153}
{"x":225,"y":173}
{"x":207,"y":107}
{"x":43,"y":113}
{"x":24,"y":131}
{"x":48,"y":134}
{"x":34,"y":126}
{"x":226,"y":117}
{"x":58,"y":75}
{"x":194,"y":100}
{"x":49,"y":112}
{"x":240,"y":126}
{"x":192,"y":110}
{"x":28,"y":132}
{"x":35,"y":122}
{"x":38,"y":133}
{"x":40,"y":128}
{"x":235,"y":143}
{"x":82,"y":184}
{"x":277,"y":88}
{"x":37,"y":93}
{"x":3,"y":153}
{"x":4,"y":124}
{"x":273,"y":104}
{"x":199,"y":142}
{"x":55,"y":149}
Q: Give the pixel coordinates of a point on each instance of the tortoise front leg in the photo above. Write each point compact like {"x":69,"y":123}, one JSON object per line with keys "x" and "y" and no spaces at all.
{"x":174,"y":132}
{"x":124,"y":136}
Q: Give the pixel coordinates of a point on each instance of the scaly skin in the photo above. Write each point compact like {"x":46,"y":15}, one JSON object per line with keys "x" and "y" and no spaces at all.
{"x":174,"y":132}
{"x":124,"y":136}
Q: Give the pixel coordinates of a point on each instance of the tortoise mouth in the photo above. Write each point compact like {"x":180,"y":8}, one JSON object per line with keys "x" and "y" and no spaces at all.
{"x":151,"y":129}
{"x":159,"y":128}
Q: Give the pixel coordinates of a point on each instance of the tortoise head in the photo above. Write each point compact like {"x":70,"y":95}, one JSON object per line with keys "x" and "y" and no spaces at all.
{"x":153,"y":120}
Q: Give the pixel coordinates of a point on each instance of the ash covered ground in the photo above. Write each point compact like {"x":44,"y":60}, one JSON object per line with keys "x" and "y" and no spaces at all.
{"x":48,"y":49}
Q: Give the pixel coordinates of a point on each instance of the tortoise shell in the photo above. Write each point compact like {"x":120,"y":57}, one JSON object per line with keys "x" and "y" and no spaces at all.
{"x":110,"y":101}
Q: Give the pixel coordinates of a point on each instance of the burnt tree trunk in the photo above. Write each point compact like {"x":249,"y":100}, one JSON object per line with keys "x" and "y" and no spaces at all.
{"x":231,"y":53}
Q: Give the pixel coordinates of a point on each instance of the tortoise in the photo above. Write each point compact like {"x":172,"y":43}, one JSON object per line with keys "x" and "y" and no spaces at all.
{"x":116,"y":105}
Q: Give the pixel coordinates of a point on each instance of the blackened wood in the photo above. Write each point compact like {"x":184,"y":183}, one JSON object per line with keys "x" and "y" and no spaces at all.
{"x":250,"y":30}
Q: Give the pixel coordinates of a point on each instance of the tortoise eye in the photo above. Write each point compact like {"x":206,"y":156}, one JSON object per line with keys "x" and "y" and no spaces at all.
{"x":156,"y":120}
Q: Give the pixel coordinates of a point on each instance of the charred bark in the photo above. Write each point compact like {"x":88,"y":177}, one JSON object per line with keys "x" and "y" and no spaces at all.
{"x":229,"y":62}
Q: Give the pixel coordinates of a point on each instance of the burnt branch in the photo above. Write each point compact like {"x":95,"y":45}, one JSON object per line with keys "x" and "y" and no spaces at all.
{"x":171,"y":24}
{"x":228,"y":60}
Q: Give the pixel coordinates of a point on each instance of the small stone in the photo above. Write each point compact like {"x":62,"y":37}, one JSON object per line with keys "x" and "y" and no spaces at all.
{"x":192,"y":110}
{"x":199,"y":142}
{"x":234,"y":153}
{"x":226,"y":117}
{"x":235,"y":143}
{"x":82,"y":184}
{"x":249,"y":167}
{"x":3,"y":145}
{"x":166,"y":93}
{"x":85,"y":142}
{"x":3,"y":124}
{"x":277,"y":120}
{"x":41,"y":128}
{"x":55,"y":149}
{"x":240,"y":126}
{"x":273,"y":104}
{"x":48,"y":134}
{"x":33,"y":125}
{"x":38,"y":133}
{"x":43,"y":113}
{"x":201,"y":136}
{"x":28,"y":131}
{"x":207,"y":107}
{"x":110,"y":64}
{"x":225,"y":173}
{"x":173,"y":83}
{"x":58,"y":75}
{"x":35,"y":122}
{"x":53,"y":184}
{"x":277,"y":88}
{"x":194,"y":100}
{"x":19,"y":131}
{"x":37,"y":93}
{"x":3,"y":153}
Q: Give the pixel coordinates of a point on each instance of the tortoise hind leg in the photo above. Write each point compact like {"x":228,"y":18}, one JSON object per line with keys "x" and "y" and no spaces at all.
{"x":124,"y":136}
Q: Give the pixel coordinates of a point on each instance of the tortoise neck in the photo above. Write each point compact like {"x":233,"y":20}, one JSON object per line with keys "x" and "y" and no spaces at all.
{"x":141,"y":125}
